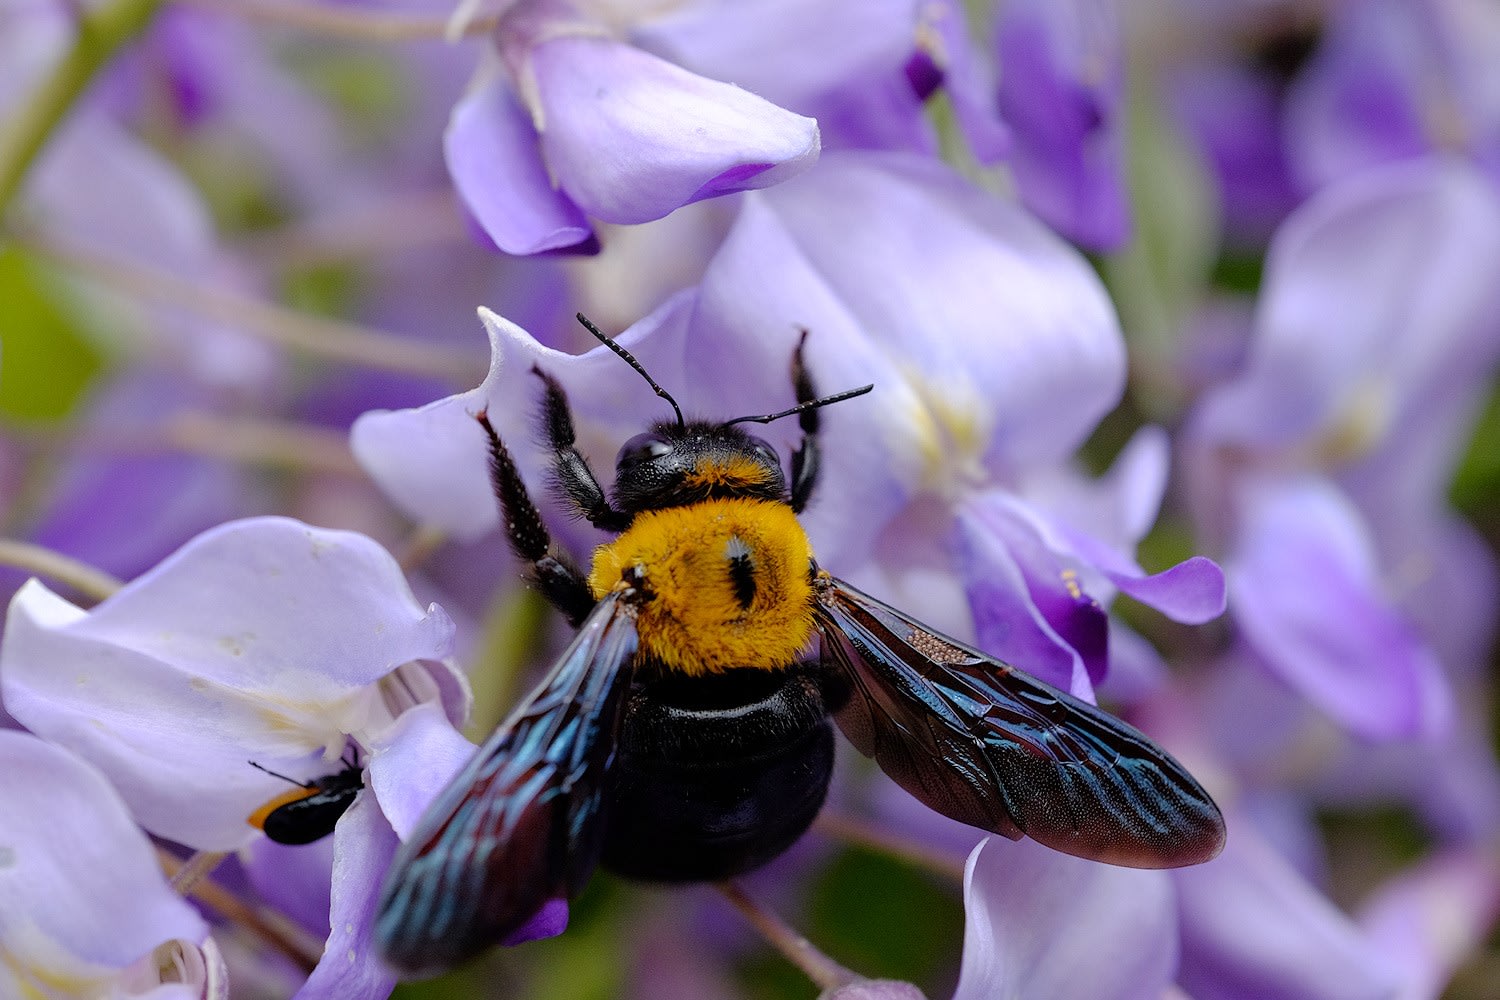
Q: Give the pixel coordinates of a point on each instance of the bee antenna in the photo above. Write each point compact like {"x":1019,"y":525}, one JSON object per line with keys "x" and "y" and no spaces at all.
{"x":811,"y":404}
{"x":276,"y":774}
{"x":632,"y":362}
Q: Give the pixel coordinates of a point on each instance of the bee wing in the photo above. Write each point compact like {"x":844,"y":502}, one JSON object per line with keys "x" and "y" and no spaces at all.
{"x":520,"y":824}
{"x":991,"y":746}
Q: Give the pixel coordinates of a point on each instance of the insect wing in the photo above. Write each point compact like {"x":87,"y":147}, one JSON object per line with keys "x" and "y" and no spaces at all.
{"x":991,"y":746}
{"x":520,"y":824}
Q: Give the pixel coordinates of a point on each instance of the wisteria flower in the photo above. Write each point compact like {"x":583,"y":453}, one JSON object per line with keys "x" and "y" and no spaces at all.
{"x":85,"y":910}
{"x":1394,"y":81}
{"x":1324,"y":463}
{"x":580,"y":124}
{"x":262,"y":642}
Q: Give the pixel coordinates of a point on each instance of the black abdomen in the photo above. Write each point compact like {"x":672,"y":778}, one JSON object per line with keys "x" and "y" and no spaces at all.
{"x":715,"y":775}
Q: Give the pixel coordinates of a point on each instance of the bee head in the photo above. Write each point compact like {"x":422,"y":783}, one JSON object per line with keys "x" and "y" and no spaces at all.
{"x":680,"y":463}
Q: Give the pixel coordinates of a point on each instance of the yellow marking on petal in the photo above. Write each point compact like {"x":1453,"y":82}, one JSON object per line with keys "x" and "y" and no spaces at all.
{"x":951,"y":429}
{"x":1361,"y":423}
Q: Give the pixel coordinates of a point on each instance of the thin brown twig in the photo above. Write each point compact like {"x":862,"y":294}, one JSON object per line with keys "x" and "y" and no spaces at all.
{"x":87,"y":580}
{"x":822,"y":970}
{"x":289,"y":940}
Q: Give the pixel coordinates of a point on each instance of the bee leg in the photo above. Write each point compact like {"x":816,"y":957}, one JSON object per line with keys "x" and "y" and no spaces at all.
{"x":554,"y":575}
{"x":571,"y":469}
{"x":805,"y":458}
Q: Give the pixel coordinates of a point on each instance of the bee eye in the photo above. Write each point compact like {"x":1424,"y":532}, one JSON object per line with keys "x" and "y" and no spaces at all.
{"x":642,"y":448}
{"x":764,"y":451}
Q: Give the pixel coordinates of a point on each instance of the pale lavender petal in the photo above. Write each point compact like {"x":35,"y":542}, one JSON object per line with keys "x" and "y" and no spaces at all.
{"x":1307,"y":597}
{"x":432,"y":461}
{"x":1378,"y":299}
{"x":1061,"y":87}
{"x":1251,"y":927}
{"x":874,"y":989}
{"x":991,"y":318}
{"x":81,"y":891}
{"x":412,"y":761}
{"x":631,"y":137}
{"x":259,"y":640}
{"x":758,"y":292}
{"x":363,"y":847}
{"x":1430,"y":919}
{"x":496,"y":164}
{"x":1043,"y":924}
{"x":835,"y":41}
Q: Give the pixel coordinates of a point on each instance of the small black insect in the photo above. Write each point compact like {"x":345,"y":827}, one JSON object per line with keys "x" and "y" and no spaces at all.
{"x":310,"y":811}
{"x":685,"y":734}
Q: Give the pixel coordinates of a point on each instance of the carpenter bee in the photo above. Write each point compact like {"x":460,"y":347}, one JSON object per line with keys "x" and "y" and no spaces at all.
{"x":684,"y":735}
{"x":309,"y":811}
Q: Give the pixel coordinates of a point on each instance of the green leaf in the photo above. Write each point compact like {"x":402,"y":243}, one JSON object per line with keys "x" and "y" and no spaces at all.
{"x":46,"y":364}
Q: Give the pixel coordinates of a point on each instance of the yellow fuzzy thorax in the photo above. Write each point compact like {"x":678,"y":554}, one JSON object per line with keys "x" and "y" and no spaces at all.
{"x":694,"y":619}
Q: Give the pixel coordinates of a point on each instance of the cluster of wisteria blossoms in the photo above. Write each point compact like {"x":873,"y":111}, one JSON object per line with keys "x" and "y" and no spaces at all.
{"x":1183,"y":318}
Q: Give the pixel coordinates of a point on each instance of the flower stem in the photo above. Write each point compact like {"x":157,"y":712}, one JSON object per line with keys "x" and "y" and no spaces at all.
{"x":822,"y":970}
{"x":286,"y":938}
{"x":85,"y":579}
{"x":101,"y":32}
{"x":195,"y":869}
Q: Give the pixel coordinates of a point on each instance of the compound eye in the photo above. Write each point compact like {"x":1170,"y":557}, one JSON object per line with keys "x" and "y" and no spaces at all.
{"x":764,"y":451}
{"x":642,"y":448}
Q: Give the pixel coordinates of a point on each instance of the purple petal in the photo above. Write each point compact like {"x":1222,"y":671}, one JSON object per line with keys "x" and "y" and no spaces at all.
{"x":1307,"y":597}
{"x":1429,"y":920}
{"x":1251,"y":927}
{"x":1235,"y":117}
{"x":363,"y":847}
{"x":550,"y":921}
{"x":1042,"y":924}
{"x":496,"y":164}
{"x":294,"y":880}
{"x":259,"y":640}
{"x":432,"y":461}
{"x":1363,"y":99}
{"x":631,"y":137}
{"x":1060,"y":91}
{"x":81,"y":891}
{"x":1012,"y":581}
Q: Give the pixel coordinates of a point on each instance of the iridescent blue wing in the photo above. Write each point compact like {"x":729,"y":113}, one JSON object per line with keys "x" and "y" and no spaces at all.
{"x":520,"y":824}
{"x":986,"y":744}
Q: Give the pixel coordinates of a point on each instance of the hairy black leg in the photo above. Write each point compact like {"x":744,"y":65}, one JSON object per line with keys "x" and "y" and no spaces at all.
{"x":554,"y":575}
{"x":570,"y":470}
{"x":805,"y":458}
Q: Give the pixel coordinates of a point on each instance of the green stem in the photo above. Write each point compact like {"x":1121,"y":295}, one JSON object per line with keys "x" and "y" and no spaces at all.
{"x":101,"y":32}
